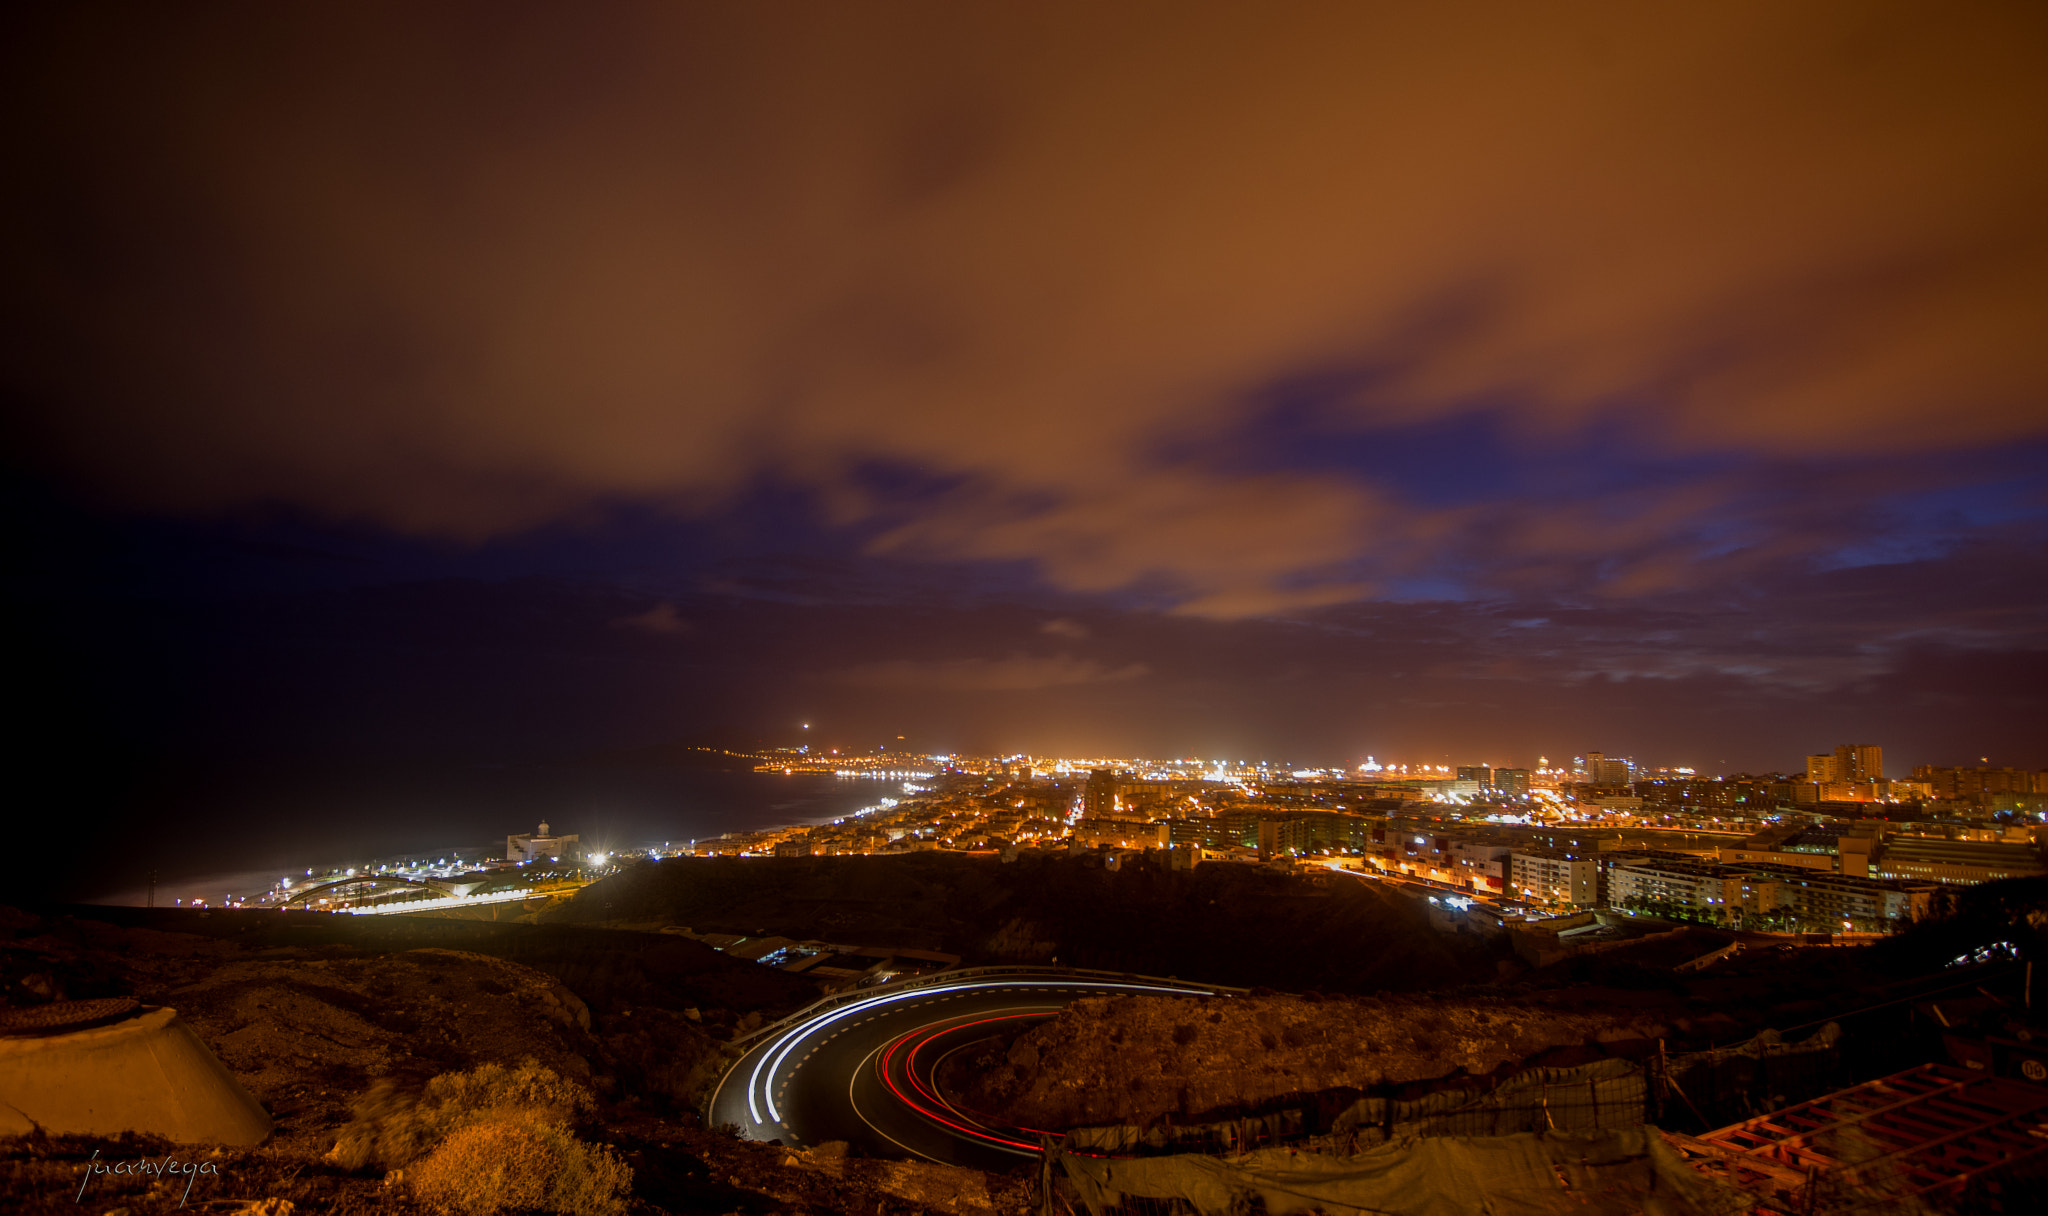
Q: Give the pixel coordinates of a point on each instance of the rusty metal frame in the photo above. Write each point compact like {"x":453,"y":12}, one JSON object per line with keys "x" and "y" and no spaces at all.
{"x":1930,"y":1128}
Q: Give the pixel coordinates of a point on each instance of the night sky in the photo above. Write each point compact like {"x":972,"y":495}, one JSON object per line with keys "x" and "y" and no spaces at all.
{"x":1447,"y":383}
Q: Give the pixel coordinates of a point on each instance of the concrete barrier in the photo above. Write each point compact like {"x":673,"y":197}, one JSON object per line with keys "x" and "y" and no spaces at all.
{"x":148,"y":1073}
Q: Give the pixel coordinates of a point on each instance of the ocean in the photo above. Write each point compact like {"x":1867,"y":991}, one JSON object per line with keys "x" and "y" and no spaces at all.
{"x":242,"y":835}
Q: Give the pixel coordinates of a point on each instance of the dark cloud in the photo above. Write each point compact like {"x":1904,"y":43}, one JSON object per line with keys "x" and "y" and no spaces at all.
{"x":662,"y":620}
{"x":509,"y":652}
{"x":463,"y":271}
{"x":1017,"y":673}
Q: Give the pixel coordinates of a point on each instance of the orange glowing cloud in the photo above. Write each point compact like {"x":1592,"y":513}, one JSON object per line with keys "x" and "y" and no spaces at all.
{"x":462,"y":271}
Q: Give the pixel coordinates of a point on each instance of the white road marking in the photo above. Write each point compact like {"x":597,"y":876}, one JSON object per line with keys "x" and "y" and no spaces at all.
{"x":855,"y":1105}
{"x":774,"y":1053}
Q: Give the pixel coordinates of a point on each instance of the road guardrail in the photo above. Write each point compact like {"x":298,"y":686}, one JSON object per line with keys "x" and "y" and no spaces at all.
{"x":936,"y":978}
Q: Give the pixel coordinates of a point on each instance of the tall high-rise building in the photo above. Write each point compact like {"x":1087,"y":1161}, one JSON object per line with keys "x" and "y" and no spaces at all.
{"x":1823,"y":769}
{"x":1602,"y":771}
{"x":1476,"y":772}
{"x":1098,"y":797}
{"x":1977,"y":784}
{"x":1859,"y":762}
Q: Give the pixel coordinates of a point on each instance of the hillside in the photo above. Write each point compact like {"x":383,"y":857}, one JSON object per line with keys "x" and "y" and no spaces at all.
{"x":1229,"y":924}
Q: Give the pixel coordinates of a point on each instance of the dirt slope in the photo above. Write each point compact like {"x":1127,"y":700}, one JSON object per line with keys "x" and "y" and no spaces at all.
{"x":1134,"y":1059}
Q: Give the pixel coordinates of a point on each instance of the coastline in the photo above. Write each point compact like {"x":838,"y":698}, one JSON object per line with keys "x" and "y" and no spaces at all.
{"x":622,"y":809}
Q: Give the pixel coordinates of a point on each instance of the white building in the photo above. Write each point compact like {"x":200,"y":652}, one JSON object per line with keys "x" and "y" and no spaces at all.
{"x":539,"y":846}
{"x":1707,"y":889}
{"x":1554,"y":878}
{"x":1481,"y":865}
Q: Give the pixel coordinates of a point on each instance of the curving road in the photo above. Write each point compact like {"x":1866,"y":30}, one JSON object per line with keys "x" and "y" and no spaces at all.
{"x":862,"y":1071}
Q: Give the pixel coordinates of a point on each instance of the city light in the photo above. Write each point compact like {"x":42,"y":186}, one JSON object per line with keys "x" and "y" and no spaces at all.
{"x":1470,"y":838}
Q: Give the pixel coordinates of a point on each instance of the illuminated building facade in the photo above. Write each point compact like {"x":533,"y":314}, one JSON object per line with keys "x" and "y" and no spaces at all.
{"x":1859,"y":762}
{"x":1098,"y":797}
{"x":1555,"y":878}
{"x":539,"y":846}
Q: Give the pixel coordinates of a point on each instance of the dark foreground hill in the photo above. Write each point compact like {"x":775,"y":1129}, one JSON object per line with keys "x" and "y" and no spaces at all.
{"x":320,"y":1015}
{"x":317,"y":1016}
{"x":1230,"y":924}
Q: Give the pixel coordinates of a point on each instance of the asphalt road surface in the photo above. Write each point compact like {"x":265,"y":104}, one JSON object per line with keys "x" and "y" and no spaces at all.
{"x":862,"y":1072}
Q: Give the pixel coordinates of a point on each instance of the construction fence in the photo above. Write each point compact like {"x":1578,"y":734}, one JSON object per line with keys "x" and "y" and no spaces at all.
{"x":1695,"y":1090}
{"x":1751,"y":1078}
{"x":1536,"y":1141}
{"x":1527,"y":1173}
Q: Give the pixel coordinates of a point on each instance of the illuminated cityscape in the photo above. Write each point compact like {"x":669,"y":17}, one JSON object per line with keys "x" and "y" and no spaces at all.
{"x":1052,"y":609}
{"x":1795,"y":852}
{"x":1798,"y":852}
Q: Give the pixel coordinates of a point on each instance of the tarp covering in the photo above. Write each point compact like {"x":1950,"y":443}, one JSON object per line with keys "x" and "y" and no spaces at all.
{"x":1757,"y":1075}
{"x":1766,"y":1045}
{"x":1520,"y":1175}
{"x":1603,"y":1095}
{"x":1203,"y":1137}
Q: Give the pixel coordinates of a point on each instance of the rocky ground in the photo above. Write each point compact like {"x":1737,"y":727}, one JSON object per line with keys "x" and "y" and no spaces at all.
{"x":312,"y":1012}
{"x":676,"y":1169}
{"x":1136,"y":1059}
{"x":1218,"y":922}
{"x":311,"y":1028}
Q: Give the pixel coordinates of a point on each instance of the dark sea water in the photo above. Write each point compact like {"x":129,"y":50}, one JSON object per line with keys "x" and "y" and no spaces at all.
{"x":243,"y":832}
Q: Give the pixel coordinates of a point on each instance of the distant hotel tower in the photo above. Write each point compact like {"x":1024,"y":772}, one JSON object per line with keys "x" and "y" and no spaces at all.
{"x":1599,"y":770}
{"x":1860,"y":761}
{"x":1098,"y":797}
{"x":538,"y":847}
{"x":1851,"y":763}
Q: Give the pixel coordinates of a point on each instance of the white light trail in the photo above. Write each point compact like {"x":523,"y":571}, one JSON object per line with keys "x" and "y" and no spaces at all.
{"x":772,"y":1059}
{"x":450,"y":901}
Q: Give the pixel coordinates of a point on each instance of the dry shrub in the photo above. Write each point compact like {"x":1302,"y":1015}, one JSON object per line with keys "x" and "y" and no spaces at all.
{"x":390,"y":1128}
{"x":518,"y":1161}
{"x":527,"y":1087}
{"x":488,"y":1167}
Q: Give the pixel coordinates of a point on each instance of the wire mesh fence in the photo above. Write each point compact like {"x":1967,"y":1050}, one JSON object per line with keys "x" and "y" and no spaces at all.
{"x":1596,"y":1102}
{"x":1706,"y":1089}
{"x":1625,"y":1170}
{"x":1605,"y":1095}
{"x":1694,"y":1090}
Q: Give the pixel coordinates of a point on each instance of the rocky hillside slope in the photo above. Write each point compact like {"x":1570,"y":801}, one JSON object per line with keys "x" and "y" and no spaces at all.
{"x":1218,"y":922}
{"x":1136,"y":1059}
{"x":311,"y":1013}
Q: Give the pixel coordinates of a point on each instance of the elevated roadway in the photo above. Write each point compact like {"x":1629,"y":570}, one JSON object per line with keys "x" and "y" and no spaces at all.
{"x":861,"y":1067}
{"x":431,"y":894}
